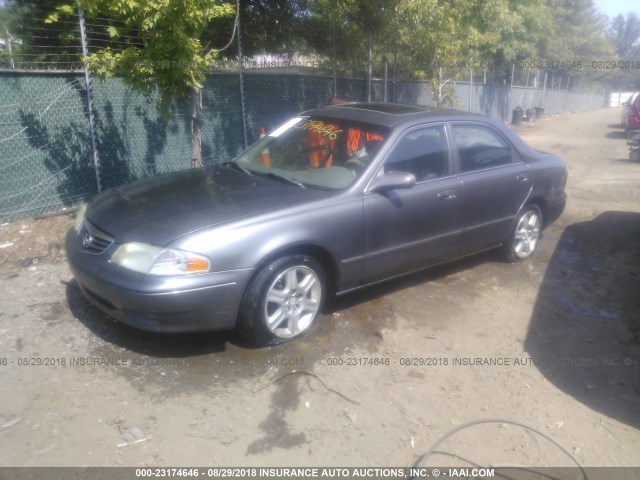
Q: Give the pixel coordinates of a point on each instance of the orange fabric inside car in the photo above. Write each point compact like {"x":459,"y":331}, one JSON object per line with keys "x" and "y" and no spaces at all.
{"x":355,"y":138}
{"x":322,"y":148}
{"x":318,"y":146}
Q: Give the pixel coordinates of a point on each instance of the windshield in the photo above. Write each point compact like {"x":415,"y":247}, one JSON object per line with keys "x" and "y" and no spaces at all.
{"x":316,"y":152}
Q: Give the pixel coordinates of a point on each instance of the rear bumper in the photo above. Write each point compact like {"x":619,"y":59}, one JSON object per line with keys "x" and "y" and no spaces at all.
{"x":159,"y":304}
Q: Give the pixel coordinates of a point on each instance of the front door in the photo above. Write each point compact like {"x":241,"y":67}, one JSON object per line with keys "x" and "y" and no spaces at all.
{"x":407,"y":229}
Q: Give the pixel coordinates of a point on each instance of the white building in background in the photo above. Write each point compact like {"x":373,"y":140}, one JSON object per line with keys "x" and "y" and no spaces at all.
{"x":616,"y":99}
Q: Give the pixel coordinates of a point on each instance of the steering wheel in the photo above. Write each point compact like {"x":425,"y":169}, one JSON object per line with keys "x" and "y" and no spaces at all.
{"x":356,"y":165}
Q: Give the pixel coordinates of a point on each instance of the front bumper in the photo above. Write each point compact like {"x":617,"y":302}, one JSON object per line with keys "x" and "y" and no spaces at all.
{"x":633,"y":123}
{"x":160,"y":304}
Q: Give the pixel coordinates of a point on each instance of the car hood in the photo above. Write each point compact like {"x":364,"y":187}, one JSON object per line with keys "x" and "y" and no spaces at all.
{"x":161,"y":209}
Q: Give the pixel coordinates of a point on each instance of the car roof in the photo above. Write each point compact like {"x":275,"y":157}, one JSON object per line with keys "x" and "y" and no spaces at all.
{"x":391,"y":115}
{"x":400,"y":117}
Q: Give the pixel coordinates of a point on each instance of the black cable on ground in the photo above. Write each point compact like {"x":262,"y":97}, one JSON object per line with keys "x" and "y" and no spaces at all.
{"x":455,"y":430}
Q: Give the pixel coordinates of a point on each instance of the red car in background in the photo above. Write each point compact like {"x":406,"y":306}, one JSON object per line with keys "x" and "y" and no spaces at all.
{"x":631,"y":122}
{"x":631,"y":113}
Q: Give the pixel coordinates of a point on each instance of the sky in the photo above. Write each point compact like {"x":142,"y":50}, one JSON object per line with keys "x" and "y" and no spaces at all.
{"x":613,"y":8}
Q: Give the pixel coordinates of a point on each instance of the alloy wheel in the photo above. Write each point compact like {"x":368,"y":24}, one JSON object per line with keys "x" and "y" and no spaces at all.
{"x":292,"y":301}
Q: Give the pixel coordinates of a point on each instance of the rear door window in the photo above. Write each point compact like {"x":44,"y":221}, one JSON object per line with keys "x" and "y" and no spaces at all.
{"x":480,"y":148}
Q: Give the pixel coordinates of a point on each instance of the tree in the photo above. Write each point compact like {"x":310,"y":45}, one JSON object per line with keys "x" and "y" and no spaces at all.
{"x":351,"y":30}
{"x":273,"y":26}
{"x":441,"y":35}
{"x":527,"y":40}
{"x":624,"y":34}
{"x":578,"y":34}
{"x":39,"y":45}
{"x":371,"y":17}
{"x":163,"y":48}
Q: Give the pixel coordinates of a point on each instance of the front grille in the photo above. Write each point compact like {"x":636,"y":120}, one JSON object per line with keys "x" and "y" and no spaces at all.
{"x":93,"y":240}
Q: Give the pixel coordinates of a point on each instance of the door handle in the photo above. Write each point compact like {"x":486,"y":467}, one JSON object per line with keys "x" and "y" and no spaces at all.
{"x":522,"y":178}
{"x":446,"y":195}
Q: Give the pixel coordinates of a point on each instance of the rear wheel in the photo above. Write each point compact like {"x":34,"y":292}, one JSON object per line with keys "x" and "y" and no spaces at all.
{"x":525,"y":234}
{"x":282,"y":301}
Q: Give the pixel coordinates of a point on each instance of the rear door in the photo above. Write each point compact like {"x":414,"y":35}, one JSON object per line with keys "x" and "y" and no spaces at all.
{"x":495,"y":182}
{"x":406,"y":229}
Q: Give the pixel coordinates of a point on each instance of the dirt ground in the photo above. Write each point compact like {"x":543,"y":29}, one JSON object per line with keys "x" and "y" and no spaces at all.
{"x":552,"y":344}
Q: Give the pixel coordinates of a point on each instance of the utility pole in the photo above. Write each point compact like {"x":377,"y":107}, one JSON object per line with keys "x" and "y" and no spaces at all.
{"x":370,"y":67}
{"x":9,"y":45}
{"x":11,"y":40}
{"x":386,"y":79}
{"x":241,"y":80}
{"x":470,"y":82}
{"x":92,"y":123}
{"x":334,"y":60}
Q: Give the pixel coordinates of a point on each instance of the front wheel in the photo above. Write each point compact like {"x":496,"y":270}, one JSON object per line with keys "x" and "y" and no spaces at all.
{"x":282,"y":301}
{"x":525,"y":234}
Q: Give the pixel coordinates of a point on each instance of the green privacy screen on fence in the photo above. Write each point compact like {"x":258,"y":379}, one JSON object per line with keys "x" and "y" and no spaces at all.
{"x":46,"y":155}
{"x":45,"y":158}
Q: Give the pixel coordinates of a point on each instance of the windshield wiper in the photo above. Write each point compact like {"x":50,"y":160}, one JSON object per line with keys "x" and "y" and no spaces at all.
{"x":273,"y":175}
{"x":237,"y":166}
{"x":282,"y":178}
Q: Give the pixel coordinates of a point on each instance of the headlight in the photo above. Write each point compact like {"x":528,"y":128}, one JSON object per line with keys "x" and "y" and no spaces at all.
{"x":80,"y":217}
{"x":153,"y":260}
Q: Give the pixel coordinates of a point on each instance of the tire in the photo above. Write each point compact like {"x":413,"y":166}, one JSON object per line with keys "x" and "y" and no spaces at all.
{"x":282,"y":301}
{"x":634,"y":155}
{"x":525,"y":234}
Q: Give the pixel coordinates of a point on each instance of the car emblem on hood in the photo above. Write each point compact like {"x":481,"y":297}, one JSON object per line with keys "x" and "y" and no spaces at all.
{"x":87,"y":240}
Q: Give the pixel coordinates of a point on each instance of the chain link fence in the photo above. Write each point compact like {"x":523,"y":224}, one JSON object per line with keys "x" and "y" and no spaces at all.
{"x":43,"y":144}
{"x":46,"y":157}
{"x":47,"y":154}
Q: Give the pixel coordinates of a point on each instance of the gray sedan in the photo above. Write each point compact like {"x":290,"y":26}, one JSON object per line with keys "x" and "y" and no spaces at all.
{"x":334,"y":200}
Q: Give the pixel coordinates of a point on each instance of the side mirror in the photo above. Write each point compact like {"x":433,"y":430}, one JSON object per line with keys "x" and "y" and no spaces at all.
{"x":393,"y":181}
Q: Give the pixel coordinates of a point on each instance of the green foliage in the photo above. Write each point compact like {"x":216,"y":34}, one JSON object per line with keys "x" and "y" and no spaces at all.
{"x":275,"y":26}
{"x":578,"y":31}
{"x":341,"y":29}
{"x":166,"y":48}
{"x":171,"y":43}
{"x":445,"y":38}
{"x":624,"y":35}
{"x":24,"y":20}
{"x":532,"y":33}
{"x":440,"y":33}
